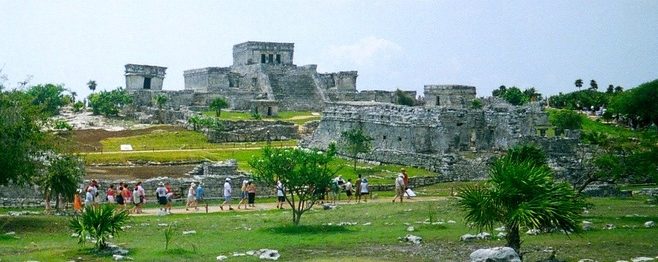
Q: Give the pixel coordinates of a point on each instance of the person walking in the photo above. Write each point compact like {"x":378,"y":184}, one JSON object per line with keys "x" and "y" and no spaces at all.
{"x":280,"y":194}
{"x":348,"y":190}
{"x":227,"y":194}
{"x":243,"y":194}
{"x":200,"y":197}
{"x":161,"y":195}
{"x":111,"y":193}
{"x":191,"y":192}
{"x":137,"y":201}
{"x":405,"y":178}
{"x":365,"y":190}
{"x":399,"y":188}
{"x":357,"y":189}
{"x":170,"y":197}
{"x":251,"y":191}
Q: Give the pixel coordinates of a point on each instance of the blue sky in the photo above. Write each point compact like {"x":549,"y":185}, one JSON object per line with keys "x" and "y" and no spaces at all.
{"x":393,"y":44}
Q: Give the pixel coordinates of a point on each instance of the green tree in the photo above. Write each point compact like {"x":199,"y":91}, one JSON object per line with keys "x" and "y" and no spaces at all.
{"x":49,"y":96}
{"x":610,"y":90}
{"x":303,"y":172}
{"x":531,"y":94}
{"x":160,"y":100}
{"x":109,"y":103}
{"x":619,"y":89}
{"x":355,"y":141}
{"x":638,"y":105}
{"x":515,"y":96}
{"x":99,"y":223}
{"x":593,"y":85}
{"x":92,"y":85}
{"x":21,"y":139}
{"x":401,"y":98}
{"x":579,"y":83}
{"x":61,"y":179}
{"x":499,"y":92}
{"x":566,"y":119}
{"x":521,"y":195}
{"x":218,"y":104}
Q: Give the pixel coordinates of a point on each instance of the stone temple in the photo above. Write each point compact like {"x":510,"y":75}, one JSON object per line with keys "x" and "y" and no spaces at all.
{"x":263,"y":78}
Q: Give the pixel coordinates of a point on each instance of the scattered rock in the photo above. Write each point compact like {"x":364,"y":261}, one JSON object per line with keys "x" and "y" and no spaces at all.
{"x":144,"y":224}
{"x":412,"y":239}
{"x":452,"y":222}
{"x":120,"y":258}
{"x":250,"y":253}
{"x":500,"y":229}
{"x":533,"y":232}
{"x":642,"y":259}
{"x":367,"y":224}
{"x":328,"y":207}
{"x":483,"y":235}
{"x":23,"y":213}
{"x":468,"y":237}
{"x":239,"y":254}
{"x":609,"y":226}
{"x":189,"y":232}
{"x":163,"y":225}
{"x":10,"y":233}
{"x":587,"y":260}
{"x":75,"y":235}
{"x":221,"y":258}
{"x":269,"y":254}
{"x":496,"y":254}
{"x":649,"y":224}
{"x":501,"y":235}
{"x":587,"y":225}
{"x":410,"y":229}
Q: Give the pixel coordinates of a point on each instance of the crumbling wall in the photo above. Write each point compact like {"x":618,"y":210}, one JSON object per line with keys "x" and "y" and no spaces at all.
{"x":253,"y":130}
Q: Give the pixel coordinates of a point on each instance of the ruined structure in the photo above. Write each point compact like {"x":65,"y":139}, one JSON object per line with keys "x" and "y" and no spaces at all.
{"x":144,"y":77}
{"x":451,"y":138}
{"x":263,"y":78}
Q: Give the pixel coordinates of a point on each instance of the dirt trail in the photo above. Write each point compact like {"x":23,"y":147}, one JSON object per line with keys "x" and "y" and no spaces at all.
{"x":214,"y":207}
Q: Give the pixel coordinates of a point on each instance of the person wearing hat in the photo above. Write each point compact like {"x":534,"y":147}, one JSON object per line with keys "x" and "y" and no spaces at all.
{"x":191,"y":199}
{"x":227,"y":194}
{"x":399,"y":188}
{"x":161,"y":195}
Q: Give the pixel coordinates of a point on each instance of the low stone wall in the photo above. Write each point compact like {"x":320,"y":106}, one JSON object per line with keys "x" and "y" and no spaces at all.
{"x":253,"y":130}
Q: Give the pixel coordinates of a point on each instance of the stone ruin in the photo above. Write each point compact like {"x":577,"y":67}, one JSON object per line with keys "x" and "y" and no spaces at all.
{"x":263,"y":79}
{"x":447,"y":135}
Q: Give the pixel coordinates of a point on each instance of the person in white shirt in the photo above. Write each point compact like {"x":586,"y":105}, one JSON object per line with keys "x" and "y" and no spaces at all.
{"x":364,"y":190}
{"x":348,"y":190}
{"x":227,"y":195}
{"x":280,"y":194}
{"x":399,"y":188}
{"x":191,"y":199}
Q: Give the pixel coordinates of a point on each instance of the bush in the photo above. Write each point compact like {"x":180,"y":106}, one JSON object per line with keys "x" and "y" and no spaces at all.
{"x":566,"y":119}
{"x":78,"y":106}
{"x":99,"y":223}
{"x":476,"y":104}
{"x":109,"y":103}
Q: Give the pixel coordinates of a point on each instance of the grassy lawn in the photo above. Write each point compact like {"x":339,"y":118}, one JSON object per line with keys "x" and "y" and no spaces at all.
{"x":46,"y":238}
{"x":185,"y":139}
{"x":291,"y":116}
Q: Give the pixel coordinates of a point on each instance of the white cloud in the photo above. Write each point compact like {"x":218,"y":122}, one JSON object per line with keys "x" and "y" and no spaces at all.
{"x":365,"y":51}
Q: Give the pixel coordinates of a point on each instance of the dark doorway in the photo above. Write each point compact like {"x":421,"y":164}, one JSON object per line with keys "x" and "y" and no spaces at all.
{"x":262,"y":59}
{"x":271,"y":58}
{"x":278,"y":59}
{"x":269,"y":111}
{"x":438,"y":101}
{"x":147,"y":83}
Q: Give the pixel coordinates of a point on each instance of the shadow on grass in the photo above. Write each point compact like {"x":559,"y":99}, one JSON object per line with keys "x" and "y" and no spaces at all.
{"x":308,"y":229}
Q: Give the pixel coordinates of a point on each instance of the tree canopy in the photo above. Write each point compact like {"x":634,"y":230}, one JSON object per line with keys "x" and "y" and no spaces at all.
{"x":109,"y":103}
{"x":401,"y":98}
{"x":355,"y":141}
{"x":49,"y":97}
{"x":302,"y":172}
{"x":639,"y":105}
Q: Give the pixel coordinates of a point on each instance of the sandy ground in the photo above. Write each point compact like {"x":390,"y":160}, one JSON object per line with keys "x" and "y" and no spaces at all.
{"x":179,"y":208}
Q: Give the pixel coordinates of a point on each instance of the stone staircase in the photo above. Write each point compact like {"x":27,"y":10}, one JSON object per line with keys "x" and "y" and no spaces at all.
{"x":295,"y":89}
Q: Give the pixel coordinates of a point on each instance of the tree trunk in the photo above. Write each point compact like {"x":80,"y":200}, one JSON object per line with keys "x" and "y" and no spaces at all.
{"x":513,"y":239}
{"x":584,"y":185}
{"x":47,"y":201}
{"x":57,"y":200}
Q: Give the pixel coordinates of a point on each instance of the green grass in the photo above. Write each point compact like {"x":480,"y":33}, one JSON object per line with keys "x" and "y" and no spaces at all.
{"x":163,"y":140}
{"x":46,"y":238}
{"x":290,"y":116}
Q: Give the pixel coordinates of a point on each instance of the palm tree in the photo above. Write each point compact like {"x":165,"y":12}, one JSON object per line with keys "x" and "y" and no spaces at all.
{"x":218,"y":104}
{"x":579,"y":83}
{"x":521,"y":195}
{"x":92,"y":85}
{"x":99,"y":223}
{"x":160,"y":101}
{"x":593,"y":85}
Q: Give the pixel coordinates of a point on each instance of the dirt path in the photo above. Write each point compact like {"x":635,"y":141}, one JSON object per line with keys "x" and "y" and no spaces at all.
{"x":214,"y":207}
{"x":179,"y":150}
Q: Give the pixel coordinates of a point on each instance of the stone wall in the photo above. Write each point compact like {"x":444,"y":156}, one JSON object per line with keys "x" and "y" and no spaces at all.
{"x":140,"y":77}
{"x":253,"y":130}
{"x":457,"y":142}
{"x":248,"y":53}
{"x":449,"y":95}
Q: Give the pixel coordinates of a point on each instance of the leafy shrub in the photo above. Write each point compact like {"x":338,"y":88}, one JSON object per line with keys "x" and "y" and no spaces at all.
{"x":78,"y":106}
{"x":109,"y":103}
{"x":476,"y":104}
{"x":99,"y":223}
{"x":566,"y":119}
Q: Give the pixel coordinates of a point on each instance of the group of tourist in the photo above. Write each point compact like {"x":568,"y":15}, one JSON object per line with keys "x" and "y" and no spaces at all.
{"x":124,"y":194}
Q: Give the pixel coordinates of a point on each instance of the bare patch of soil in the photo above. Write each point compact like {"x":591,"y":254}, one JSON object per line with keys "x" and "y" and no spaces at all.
{"x":136,"y":172}
{"x":88,"y":140}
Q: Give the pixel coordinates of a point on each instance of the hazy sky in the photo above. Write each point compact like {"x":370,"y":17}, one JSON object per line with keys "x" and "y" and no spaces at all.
{"x":393,"y":44}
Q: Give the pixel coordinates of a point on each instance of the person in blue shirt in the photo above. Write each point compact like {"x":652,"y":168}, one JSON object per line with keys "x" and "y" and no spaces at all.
{"x":200,"y":194}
